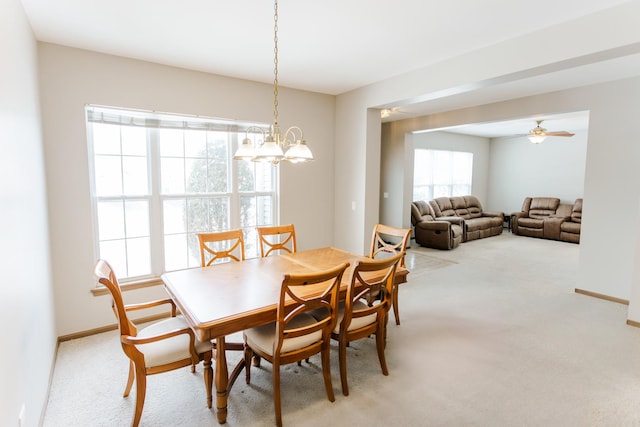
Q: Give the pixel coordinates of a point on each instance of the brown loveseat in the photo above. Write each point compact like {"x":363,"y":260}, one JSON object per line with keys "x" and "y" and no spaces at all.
{"x":443,"y":234}
{"x":548,"y":218}
{"x":477,"y":223}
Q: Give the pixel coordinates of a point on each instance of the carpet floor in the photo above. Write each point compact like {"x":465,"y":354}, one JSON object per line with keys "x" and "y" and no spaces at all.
{"x":492,"y":334}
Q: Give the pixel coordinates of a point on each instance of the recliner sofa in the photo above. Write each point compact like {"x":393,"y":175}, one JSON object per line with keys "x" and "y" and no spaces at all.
{"x":477,"y":223}
{"x":445,"y":222}
{"x":443,"y":234}
{"x":548,"y":218}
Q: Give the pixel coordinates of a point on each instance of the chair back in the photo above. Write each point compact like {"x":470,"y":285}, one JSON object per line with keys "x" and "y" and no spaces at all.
{"x":370,"y":292}
{"x":388,"y":241}
{"x":107,"y":277}
{"x":306,"y":293}
{"x":277,"y":238}
{"x":220,"y":246}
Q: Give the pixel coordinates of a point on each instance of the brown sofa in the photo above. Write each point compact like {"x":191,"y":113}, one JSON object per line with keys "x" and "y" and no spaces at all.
{"x":548,"y":218}
{"x":442,"y":234}
{"x":477,"y":223}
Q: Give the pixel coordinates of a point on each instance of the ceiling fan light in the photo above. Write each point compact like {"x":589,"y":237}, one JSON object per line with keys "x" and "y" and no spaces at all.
{"x":536,"y":139}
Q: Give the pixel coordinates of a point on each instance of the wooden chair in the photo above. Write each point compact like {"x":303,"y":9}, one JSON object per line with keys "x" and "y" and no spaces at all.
{"x":219,"y":246}
{"x":277,"y":238}
{"x":387,"y":241}
{"x":296,"y":335}
{"x":160,"y":347}
{"x":359,"y":317}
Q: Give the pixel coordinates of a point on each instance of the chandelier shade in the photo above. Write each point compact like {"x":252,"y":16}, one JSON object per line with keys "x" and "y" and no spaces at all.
{"x":275,"y":147}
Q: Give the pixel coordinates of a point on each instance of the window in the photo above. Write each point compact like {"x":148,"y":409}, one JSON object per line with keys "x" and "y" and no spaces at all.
{"x":438,"y":173}
{"x":159,"y":179}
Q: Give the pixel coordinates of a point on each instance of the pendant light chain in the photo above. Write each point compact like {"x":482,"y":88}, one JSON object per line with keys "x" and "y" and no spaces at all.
{"x":275,"y":62}
{"x":275,"y":146}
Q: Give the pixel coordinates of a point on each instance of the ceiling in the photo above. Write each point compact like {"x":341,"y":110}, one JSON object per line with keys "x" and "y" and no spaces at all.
{"x":329,"y":46}
{"x":574,"y":122}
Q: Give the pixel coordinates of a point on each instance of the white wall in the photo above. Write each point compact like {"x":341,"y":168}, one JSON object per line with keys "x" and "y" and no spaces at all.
{"x":28,"y":332}
{"x":72,"y":78}
{"x":519,"y":169}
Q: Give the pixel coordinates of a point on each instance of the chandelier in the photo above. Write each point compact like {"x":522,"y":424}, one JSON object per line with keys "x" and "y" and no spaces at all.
{"x":274,"y":146}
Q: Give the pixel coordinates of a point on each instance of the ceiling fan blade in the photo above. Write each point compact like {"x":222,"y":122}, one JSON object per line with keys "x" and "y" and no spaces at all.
{"x":559,"y":133}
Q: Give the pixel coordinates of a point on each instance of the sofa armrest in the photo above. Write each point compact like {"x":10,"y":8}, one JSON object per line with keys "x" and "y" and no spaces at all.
{"x":514,"y":220}
{"x":452,"y":219}
{"x":434,"y":225}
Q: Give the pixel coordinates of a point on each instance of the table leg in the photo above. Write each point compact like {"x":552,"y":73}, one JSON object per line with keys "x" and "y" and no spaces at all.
{"x":222,"y":380}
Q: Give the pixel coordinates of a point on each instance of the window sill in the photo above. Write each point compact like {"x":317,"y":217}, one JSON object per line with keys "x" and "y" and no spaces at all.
{"x":130,"y":286}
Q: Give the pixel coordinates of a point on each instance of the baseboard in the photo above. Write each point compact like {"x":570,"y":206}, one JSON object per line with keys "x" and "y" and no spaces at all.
{"x":633,"y":323}
{"x":108,"y":328}
{"x":602,"y":296}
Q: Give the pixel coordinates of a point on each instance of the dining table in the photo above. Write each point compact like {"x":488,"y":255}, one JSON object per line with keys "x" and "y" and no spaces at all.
{"x":225,"y":298}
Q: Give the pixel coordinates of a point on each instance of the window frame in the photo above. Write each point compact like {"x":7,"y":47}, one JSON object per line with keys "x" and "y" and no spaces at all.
{"x":153,"y":122}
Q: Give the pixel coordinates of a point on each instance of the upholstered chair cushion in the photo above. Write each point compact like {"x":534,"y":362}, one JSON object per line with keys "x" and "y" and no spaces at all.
{"x":170,"y":349}
{"x":357,"y":322}
{"x":262,"y":337}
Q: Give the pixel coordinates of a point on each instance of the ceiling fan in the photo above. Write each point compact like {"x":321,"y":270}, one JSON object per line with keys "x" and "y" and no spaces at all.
{"x":538,"y":133}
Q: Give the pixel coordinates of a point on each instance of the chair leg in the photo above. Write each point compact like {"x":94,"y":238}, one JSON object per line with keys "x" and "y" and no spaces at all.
{"x":380,"y":345}
{"x":208,"y":378}
{"x":326,"y":370}
{"x":396,"y":311}
{"x":141,"y":390}
{"x":132,"y":375}
{"x":276,"y":393}
{"x":342,"y":356}
{"x":256,"y":360}
{"x":247,"y":362}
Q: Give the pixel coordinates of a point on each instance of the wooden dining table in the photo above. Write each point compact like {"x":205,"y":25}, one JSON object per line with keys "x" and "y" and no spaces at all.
{"x":226,"y":298}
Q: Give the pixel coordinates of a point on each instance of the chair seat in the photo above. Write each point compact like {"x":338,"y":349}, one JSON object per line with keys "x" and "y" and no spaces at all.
{"x":262,"y":337}
{"x":357,"y":322}
{"x":170,"y":349}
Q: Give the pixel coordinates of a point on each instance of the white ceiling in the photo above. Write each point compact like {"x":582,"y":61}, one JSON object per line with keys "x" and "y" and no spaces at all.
{"x":329,"y":46}
{"x":573,"y":122}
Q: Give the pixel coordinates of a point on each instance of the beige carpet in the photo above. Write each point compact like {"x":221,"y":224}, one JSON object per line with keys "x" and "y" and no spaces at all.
{"x":492,"y":334}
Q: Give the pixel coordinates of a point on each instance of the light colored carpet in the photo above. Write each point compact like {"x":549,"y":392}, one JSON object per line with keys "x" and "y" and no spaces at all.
{"x":492,"y":334}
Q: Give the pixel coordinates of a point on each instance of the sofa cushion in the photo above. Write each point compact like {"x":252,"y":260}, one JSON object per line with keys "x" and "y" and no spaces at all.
{"x":474,"y":224}
{"x":531,"y":222}
{"x":473,"y":206}
{"x":459,"y":206}
{"x":420,"y":211}
{"x":543,"y":207}
{"x":442,"y":207}
{"x":570,"y":227}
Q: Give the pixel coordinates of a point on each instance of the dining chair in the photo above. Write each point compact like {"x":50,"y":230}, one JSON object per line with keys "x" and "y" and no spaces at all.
{"x":358,"y":317}
{"x":220,"y":246}
{"x":160,"y":347}
{"x":385,"y":242}
{"x":280,"y":238}
{"x":297,"y":335}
